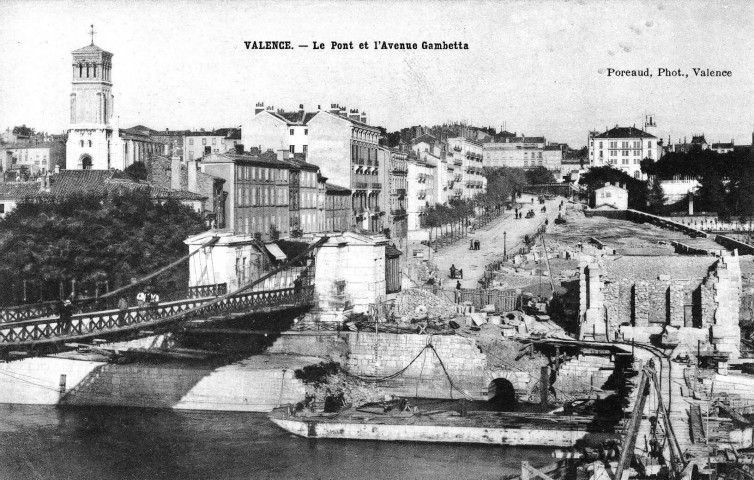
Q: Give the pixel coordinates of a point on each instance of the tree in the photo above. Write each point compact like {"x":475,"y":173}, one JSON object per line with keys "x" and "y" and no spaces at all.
{"x":539,"y":175}
{"x":711,"y":194}
{"x":656,"y":197}
{"x":92,"y":237}
{"x":137,"y":170}
{"x":502,"y":185}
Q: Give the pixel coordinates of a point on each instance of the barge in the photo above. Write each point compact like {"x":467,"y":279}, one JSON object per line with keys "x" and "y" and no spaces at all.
{"x":442,"y":426}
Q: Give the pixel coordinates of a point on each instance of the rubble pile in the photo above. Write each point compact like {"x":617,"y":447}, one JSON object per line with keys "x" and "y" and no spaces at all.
{"x":415,"y":303}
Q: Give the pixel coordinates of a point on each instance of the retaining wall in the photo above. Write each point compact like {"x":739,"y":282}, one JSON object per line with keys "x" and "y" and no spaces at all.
{"x":257,"y":384}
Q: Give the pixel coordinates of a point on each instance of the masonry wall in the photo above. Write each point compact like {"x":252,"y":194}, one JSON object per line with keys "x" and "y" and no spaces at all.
{"x":251,"y":385}
{"x":383,"y":354}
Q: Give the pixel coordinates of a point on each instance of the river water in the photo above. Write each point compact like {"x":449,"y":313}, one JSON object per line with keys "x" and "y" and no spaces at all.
{"x":42,"y":442}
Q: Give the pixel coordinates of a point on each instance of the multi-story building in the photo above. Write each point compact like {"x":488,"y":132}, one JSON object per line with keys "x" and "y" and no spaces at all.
{"x":339,"y":142}
{"x":398,"y":196}
{"x":201,"y":143}
{"x":421,"y":187}
{"x":337,"y":208}
{"x":306,"y":208}
{"x":94,"y":141}
{"x":171,"y":173}
{"x":258,"y":192}
{"x":623,"y":148}
{"x":472,"y":171}
{"x":523,"y":152}
{"x":36,"y":158}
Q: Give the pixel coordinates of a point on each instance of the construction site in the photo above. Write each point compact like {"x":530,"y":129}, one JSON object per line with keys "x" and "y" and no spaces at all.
{"x":635,"y":322}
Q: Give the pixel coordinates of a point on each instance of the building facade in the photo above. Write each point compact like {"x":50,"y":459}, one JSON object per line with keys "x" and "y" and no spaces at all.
{"x":472,"y":161}
{"x":38,"y":159}
{"x":623,"y":148}
{"x":421,"y":187}
{"x":340,"y":143}
{"x":524,"y":152}
{"x":257,"y":187}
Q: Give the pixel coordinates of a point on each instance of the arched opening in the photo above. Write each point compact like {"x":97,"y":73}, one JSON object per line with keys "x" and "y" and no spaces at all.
{"x":501,"y":395}
{"x":86,"y":162}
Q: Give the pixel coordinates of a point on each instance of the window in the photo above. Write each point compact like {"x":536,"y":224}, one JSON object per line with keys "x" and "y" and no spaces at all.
{"x":306,"y":131}
{"x":613,"y":144}
{"x":305,"y":149}
{"x":291,"y":131}
{"x":82,"y":143}
{"x":204,"y":141}
{"x":625,"y":153}
{"x":649,"y":144}
{"x":191,"y":155}
{"x":214,"y":141}
{"x":292,"y":148}
{"x":2,"y":208}
{"x":90,"y":143}
{"x":600,"y":144}
{"x":191,"y":141}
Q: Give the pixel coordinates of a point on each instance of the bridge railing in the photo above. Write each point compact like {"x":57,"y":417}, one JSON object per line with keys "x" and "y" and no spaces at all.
{"x":295,"y":289}
{"x":83,"y":325}
{"x":106,"y":301}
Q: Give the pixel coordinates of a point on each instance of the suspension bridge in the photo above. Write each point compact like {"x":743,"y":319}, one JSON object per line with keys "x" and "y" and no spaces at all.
{"x":37,"y":328}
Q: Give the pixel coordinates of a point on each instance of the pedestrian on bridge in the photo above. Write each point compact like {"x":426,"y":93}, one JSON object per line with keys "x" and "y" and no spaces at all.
{"x":141,"y":299}
{"x":123,"y":307}
{"x":65,"y":314}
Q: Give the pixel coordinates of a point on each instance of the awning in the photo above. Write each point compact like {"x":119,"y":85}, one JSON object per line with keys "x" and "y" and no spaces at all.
{"x":275,"y":251}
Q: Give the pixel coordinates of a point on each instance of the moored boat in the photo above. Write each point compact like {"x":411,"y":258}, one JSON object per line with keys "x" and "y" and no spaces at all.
{"x":494,"y":428}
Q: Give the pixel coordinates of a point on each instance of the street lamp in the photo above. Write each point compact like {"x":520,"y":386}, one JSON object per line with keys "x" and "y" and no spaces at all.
{"x":505,"y":246}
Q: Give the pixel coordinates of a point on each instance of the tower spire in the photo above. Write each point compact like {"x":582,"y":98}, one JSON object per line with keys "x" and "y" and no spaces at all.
{"x":92,"y":32}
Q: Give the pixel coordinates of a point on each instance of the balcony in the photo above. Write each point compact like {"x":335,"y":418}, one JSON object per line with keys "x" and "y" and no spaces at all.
{"x":401,"y":192}
{"x":361,"y":185}
{"x":376,"y":186}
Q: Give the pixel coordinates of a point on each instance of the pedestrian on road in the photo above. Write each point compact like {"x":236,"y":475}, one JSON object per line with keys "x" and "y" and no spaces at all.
{"x":476,"y":244}
{"x":458,"y":285}
{"x":471,"y":245}
{"x":452,"y":271}
{"x":547,"y":221}
{"x":461,"y":273}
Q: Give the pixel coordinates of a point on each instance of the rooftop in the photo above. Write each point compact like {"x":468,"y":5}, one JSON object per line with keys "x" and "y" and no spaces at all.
{"x":625,"y":132}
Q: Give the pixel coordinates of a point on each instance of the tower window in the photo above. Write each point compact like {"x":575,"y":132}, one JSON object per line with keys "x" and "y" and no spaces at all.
{"x":95,"y":71}
{"x":82,"y":143}
{"x":81,"y":73}
{"x":90,"y":143}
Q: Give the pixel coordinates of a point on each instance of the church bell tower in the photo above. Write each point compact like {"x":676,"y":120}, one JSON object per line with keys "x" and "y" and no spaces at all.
{"x":92,"y":137}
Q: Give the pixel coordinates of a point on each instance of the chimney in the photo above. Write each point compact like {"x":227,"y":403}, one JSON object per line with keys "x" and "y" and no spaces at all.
{"x":607,"y":184}
{"x":259,"y":108}
{"x":334,"y":108}
{"x":192,"y":187}
{"x":175,"y":174}
{"x":353,"y":114}
{"x":270,"y":108}
{"x":283,"y":154}
{"x":342,"y":112}
{"x":301,"y":108}
{"x":363,"y":117}
{"x":57,"y":168}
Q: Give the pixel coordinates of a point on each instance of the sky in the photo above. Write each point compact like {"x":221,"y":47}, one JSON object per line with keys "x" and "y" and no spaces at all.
{"x":538,"y":67}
